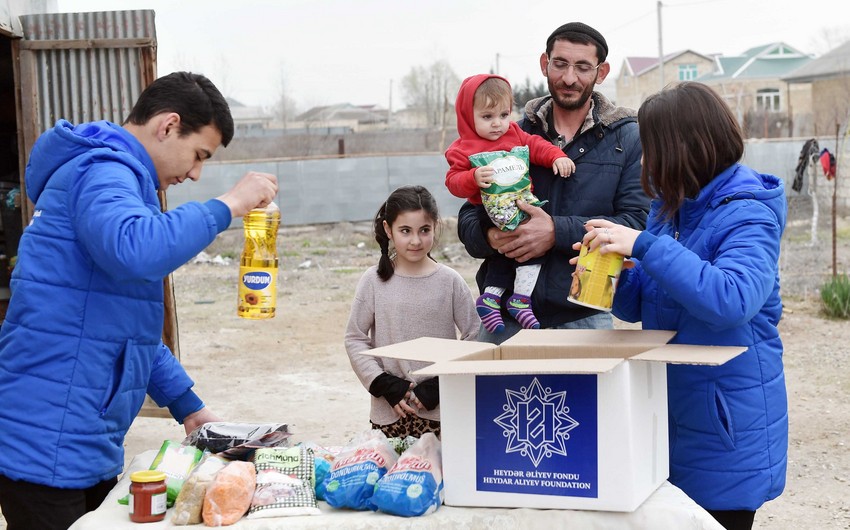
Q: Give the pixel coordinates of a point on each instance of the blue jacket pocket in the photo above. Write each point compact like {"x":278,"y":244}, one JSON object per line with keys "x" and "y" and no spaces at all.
{"x":125,"y":393}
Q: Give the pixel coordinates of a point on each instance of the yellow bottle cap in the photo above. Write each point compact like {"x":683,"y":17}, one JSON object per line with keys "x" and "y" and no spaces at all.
{"x":148,"y":475}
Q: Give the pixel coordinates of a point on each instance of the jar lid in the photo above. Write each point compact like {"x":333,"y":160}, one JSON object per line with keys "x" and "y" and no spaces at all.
{"x":148,"y":475}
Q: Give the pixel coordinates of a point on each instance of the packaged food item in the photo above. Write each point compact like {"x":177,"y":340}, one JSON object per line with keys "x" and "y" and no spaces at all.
{"x":355,"y":471}
{"x":414,"y":485}
{"x":402,"y":444}
{"x":259,"y":264}
{"x":511,"y":183}
{"x":147,"y":496}
{"x":285,"y":483}
{"x":176,"y":461}
{"x":190,"y":500}
{"x":323,"y":458}
{"x":229,"y":496}
{"x":227,"y":438}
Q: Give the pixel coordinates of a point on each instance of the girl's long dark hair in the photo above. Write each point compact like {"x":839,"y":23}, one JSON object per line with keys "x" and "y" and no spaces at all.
{"x":404,"y":199}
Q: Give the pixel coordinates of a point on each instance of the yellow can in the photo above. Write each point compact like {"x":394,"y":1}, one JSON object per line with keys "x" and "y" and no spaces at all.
{"x":595,"y":279}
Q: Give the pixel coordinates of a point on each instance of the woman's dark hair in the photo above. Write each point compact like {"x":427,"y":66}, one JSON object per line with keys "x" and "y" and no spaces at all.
{"x":404,"y":199}
{"x":688,"y":135}
{"x":194,"y":97}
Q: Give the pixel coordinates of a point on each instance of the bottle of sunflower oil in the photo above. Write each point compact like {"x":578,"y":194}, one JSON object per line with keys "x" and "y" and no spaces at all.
{"x":259,"y":263}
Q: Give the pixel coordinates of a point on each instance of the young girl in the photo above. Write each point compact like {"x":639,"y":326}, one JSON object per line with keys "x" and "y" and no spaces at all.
{"x":406,"y":296}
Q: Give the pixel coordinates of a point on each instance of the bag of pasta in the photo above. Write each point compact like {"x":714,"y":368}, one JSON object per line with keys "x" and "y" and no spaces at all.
{"x":511,"y":182}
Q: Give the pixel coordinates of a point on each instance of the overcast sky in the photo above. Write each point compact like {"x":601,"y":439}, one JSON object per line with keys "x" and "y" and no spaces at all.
{"x":357,"y":51}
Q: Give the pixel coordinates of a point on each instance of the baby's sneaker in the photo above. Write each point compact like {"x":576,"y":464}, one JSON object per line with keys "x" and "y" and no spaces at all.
{"x":519,"y":307}
{"x":489,"y":308}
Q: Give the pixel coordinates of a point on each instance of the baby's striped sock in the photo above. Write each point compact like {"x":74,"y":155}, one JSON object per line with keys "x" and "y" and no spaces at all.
{"x":488,"y":307}
{"x":519,"y":307}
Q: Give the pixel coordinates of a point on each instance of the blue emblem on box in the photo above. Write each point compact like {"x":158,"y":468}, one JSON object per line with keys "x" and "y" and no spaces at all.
{"x":537,"y":434}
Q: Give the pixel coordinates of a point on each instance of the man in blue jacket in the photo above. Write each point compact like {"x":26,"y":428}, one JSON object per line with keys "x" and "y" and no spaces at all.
{"x":602,"y":139}
{"x":81,"y":343}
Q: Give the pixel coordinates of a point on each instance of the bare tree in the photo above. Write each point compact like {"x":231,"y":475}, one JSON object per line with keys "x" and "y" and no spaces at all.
{"x":222,"y":69}
{"x":431,"y":89}
{"x":285,"y":108}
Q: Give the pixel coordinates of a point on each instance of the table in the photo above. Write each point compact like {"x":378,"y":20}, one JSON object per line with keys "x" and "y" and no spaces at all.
{"x":668,"y":507}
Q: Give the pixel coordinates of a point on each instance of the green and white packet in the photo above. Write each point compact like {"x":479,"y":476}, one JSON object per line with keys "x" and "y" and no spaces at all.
{"x":511,"y":183}
{"x":177,"y":461}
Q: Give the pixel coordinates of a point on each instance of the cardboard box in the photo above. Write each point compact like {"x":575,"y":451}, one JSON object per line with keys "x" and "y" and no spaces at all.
{"x":570,"y":419}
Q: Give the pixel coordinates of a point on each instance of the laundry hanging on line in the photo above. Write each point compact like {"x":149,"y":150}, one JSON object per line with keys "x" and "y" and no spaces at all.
{"x":809,"y":153}
{"x":827,"y":162}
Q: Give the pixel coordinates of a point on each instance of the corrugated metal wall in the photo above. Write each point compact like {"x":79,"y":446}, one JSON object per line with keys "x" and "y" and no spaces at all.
{"x":89,"y":63}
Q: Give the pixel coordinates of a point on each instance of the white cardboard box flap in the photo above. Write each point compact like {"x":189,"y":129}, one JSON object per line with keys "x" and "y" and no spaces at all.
{"x":435,"y":350}
{"x":633,"y":338}
{"x":522,"y":366}
{"x":690,"y":354}
{"x":552,"y":351}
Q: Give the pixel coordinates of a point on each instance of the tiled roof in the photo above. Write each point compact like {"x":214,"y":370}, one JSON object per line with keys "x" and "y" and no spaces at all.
{"x":768,"y":61}
{"x":640,"y":65}
{"x":834,"y":63}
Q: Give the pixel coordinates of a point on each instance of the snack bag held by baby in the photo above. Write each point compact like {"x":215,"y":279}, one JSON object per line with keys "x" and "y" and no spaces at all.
{"x":511,"y":182}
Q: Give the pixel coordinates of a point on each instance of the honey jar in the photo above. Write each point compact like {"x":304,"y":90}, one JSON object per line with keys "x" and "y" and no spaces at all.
{"x":147,"y":496}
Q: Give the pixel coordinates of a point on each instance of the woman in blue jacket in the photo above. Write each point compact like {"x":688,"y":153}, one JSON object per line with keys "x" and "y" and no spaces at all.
{"x":707,"y":267}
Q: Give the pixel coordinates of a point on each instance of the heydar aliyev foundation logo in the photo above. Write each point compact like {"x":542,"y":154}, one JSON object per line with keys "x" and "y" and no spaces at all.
{"x":536,"y":422}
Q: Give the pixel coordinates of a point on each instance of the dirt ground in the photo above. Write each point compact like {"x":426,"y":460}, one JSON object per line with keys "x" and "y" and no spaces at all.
{"x":293,"y":369}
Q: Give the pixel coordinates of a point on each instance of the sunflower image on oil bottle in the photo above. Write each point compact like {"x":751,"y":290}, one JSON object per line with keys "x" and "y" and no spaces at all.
{"x":259,"y":263}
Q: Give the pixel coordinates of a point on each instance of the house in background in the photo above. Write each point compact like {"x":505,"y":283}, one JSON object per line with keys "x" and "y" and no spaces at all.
{"x":751,"y":83}
{"x":753,"y":86}
{"x":641,"y":76}
{"x":356,"y":118}
{"x":826,"y":81}
{"x":249,"y":120}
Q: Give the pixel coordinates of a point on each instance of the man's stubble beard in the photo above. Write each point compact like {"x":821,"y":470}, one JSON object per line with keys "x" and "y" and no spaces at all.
{"x":566,"y":104}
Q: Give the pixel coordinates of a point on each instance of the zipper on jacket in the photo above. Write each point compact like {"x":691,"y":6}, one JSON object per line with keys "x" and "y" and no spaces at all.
{"x":676,"y":226}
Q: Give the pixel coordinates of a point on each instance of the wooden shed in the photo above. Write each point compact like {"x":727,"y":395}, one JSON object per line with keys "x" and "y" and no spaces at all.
{"x":76,"y":66}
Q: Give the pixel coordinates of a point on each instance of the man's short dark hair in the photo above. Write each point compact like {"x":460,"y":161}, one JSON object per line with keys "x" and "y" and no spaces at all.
{"x":194,"y":97}
{"x":581,"y":34}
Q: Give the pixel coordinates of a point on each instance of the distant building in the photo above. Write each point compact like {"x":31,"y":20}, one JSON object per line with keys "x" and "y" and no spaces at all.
{"x":751,"y":83}
{"x":249,"y":120}
{"x":343,"y":115}
{"x":753,"y":86}
{"x":422,"y":118}
{"x":641,"y":76}
{"x":828,"y":80}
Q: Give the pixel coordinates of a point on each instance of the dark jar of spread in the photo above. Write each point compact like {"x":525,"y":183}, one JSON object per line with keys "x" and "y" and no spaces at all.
{"x":147,"y":496}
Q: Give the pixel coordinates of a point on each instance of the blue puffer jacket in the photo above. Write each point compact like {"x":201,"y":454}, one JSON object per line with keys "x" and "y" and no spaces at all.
{"x":711,"y":274}
{"x":81,"y":342}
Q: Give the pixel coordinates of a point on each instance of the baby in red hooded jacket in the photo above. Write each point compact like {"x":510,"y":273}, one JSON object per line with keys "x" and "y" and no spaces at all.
{"x":483,"y":107}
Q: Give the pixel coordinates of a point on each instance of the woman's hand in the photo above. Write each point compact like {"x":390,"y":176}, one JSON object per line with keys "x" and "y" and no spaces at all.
{"x":607,"y":237}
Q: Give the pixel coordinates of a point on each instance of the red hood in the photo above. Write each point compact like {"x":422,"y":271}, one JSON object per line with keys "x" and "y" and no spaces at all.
{"x":464,"y":108}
